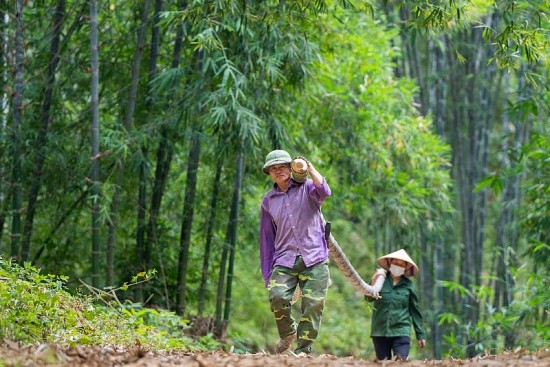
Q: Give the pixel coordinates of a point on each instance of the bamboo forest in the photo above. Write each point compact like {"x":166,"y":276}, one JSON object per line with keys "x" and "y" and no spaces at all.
{"x":133,"y":136}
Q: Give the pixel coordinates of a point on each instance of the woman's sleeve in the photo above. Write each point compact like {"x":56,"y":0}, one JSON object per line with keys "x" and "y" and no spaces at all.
{"x":378,"y":279}
{"x":416,"y":315}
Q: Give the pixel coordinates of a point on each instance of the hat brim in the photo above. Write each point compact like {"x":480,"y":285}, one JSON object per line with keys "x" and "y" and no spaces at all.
{"x":411,"y":268}
{"x":274,"y":162}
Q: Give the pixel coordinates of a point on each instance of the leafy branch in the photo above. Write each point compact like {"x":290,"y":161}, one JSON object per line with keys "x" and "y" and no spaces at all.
{"x":110,"y":292}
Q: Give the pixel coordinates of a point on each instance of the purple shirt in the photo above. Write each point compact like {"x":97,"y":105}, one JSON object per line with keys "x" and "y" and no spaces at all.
{"x":291,"y":224}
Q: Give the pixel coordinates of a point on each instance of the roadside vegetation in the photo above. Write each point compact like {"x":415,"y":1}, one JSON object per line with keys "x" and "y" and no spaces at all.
{"x":36,"y":308}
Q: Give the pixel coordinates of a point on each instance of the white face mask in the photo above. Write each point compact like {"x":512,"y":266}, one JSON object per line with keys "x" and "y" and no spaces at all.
{"x":397,"y":270}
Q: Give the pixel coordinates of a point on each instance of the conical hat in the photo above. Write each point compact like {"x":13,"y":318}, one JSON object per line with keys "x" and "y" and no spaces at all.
{"x":385,"y":260}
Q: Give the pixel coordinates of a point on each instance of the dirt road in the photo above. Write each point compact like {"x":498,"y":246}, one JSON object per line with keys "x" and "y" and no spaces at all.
{"x":12,"y":354}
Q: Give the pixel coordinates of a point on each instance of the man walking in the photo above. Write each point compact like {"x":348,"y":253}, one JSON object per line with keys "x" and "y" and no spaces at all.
{"x":293,"y":249}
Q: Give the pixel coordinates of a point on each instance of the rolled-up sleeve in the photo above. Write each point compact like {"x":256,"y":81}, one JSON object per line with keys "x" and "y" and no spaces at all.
{"x":319,"y":193}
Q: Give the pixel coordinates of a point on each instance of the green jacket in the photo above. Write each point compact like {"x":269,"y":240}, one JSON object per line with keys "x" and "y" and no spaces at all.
{"x":396,"y":309}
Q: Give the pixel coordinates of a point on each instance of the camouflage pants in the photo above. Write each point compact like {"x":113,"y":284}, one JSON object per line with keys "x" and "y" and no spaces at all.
{"x":314,"y":282}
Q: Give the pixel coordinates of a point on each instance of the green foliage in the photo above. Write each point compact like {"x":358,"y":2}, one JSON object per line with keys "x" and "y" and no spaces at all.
{"x":493,"y":181}
{"x":522,"y":34}
{"x":532,"y":161}
{"x":386,"y":165}
{"x":36,"y":308}
{"x":523,"y":321}
{"x":525,"y":33}
{"x":536,"y":220}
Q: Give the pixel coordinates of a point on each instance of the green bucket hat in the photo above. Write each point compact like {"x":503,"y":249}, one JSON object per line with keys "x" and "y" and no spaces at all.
{"x":276,"y":157}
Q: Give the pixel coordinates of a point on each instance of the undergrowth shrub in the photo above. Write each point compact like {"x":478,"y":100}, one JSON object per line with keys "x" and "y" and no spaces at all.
{"x":37,"y":308}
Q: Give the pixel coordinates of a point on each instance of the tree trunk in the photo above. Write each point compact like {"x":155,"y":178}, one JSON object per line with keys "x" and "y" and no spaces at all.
{"x":42,"y":138}
{"x":190,"y":193}
{"x":16,"y":133}
{"x":96,"y":190}
{"x":459,"y":141}
{"x":472,"y":90}
{"x":219,"y":325}
{"x":438,"y":97}
{"x":142,"y":227}
{"x":232,"y":229}
{"x":142,"y":255}
{"x":427,"y":264}
{"x":165,"y":152}
{"x":507,"y":238}
{"x":437,"y":336}
{"x":397,"y":62}
{"x":209,"y":234}
{"x":128,"y":123}
{"x":164,"y":159}
{"x":4,"y":108}
{"x":3,"y":209}
{"x":440,"y":91}
{"x":411,"y":46}
{"x":187,"y":220}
